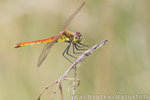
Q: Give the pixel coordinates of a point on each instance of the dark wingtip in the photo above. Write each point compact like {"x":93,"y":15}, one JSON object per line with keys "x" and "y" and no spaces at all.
{"x":40,"y":62}
{"x":38,"y":65}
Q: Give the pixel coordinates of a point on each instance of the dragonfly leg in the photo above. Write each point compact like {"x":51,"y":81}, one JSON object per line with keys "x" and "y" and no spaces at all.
{"x":75,"y":47}
{"x":65,"y":52}
{"x":68,"y":51}
{"x":83,"y":45}
{"x":78,"y":47}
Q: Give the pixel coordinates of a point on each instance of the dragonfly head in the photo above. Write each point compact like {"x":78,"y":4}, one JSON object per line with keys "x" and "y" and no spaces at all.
{"x":77,"y":37}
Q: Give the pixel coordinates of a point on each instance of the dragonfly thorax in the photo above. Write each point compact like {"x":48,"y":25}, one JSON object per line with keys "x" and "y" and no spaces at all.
{"x":70,"y":37}
{"x":77,"y":37}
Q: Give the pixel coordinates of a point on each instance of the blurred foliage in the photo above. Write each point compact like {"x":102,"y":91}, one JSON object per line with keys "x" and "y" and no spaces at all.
{"x":122,"y":66}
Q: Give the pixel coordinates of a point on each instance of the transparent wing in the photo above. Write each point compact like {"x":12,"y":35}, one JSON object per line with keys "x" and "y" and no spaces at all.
{"x":73,"y":16}
{"x":47,"y":47}
{"x":44,"y":52}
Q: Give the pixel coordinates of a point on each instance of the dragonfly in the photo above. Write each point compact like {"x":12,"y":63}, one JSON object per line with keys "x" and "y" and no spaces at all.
{"x":64,"y":36}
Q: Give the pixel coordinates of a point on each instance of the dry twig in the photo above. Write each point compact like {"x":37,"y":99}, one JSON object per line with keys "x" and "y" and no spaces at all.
{"x":73,"y":66}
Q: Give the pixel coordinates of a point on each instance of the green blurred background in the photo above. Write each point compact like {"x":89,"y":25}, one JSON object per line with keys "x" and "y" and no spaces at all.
{"x":121,"y":67}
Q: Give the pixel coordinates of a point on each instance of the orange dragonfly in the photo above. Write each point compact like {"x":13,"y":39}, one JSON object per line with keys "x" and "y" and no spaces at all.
{"x":65,"y":36}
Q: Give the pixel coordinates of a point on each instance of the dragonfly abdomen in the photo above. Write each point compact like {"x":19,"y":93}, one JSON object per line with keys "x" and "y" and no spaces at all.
{"x":18,"y":45}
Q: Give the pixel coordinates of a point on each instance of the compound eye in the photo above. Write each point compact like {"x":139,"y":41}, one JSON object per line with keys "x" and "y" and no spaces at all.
{"x":77,"y":35}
